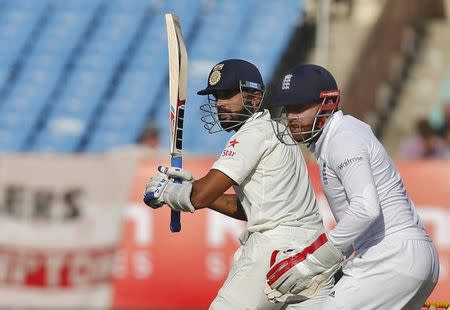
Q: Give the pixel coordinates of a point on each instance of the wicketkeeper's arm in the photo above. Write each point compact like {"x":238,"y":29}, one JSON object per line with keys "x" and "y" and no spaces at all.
{"x":353,"y":168}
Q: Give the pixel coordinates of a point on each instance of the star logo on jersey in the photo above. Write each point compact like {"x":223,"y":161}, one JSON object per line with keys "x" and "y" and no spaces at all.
{"x":233,"y":142}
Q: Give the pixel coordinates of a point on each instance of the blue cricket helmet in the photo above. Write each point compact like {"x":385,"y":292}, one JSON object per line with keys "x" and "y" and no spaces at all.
{"x":305,"y":85}
{"x":230,"y":74}
{"x":302,"y":87}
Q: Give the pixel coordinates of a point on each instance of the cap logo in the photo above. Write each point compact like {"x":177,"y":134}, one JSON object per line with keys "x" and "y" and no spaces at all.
{"x":286,"y":82}
{"x":217,"y":67}
{"x":214,"y":78}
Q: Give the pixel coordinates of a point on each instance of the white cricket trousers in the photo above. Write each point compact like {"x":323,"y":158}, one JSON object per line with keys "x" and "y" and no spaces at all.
{"x":244,"y":287}
{"x":392,"y":275}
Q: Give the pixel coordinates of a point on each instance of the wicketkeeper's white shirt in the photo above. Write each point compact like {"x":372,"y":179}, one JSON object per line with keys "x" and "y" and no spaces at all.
{"x":273,"y":183}
{"x":363,"y":188}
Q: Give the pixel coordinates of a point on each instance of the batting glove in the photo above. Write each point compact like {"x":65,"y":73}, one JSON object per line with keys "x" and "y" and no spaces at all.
{"x":176,"y":173}
{"x":297,"y":274}
{"x":161,"y":189}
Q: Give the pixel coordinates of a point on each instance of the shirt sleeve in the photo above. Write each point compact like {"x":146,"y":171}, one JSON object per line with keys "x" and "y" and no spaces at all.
{"x":242,"y":153}
{"x":349,"y":159}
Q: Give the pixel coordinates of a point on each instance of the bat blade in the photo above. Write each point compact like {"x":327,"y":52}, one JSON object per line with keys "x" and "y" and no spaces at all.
{"x":178,"y":71}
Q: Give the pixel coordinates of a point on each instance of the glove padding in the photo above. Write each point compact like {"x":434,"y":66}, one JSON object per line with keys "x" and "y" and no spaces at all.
{"x":176,"y":173}
{"x":162,"y":189}
{"x":297,"y":274}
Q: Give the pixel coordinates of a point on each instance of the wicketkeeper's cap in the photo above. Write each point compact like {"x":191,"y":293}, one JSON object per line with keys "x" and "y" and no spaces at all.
{"x":228,"y":75}
{"x":303,"y":85}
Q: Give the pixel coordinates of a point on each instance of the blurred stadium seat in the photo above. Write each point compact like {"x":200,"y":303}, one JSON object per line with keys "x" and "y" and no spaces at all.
{"x":18,"y":20}
{"x":93,"y":73}
{"x":87,"y":75}
{"x":144,"y":76}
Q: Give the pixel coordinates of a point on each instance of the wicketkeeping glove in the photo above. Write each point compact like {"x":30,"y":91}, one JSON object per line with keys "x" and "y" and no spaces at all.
{"x":297,"y":274}
{"x":161,"y":189}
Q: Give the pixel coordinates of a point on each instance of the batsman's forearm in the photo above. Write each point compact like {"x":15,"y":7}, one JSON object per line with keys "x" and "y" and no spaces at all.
{"x":208,"y":192}
{"x":227,"y":204}
{"x":230,"y":205}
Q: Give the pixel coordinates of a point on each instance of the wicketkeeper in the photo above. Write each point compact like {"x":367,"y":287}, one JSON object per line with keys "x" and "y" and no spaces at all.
{"x":392,"y":263}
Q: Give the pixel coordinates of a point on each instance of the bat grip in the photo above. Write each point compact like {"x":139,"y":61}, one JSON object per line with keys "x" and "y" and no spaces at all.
{"x":148,"y":198}
{"x":175,"y":223}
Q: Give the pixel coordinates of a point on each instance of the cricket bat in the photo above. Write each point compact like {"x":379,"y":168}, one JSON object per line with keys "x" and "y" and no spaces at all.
{"x":178,"y":73}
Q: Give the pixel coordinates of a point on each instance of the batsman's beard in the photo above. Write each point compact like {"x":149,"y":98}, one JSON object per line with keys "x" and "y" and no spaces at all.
{"x":232,"y":120}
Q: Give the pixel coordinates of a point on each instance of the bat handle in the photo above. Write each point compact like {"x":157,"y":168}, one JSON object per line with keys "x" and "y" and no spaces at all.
{"x":148,"y":197}
{"x":175,"y":223}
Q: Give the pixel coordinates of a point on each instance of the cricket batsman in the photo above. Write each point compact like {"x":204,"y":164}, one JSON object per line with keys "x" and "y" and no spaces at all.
{"x":273,"y":191}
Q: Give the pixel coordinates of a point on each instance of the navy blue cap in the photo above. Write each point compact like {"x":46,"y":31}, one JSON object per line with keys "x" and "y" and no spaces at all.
{"x":227,"y":75}
{"x":303,"y":85}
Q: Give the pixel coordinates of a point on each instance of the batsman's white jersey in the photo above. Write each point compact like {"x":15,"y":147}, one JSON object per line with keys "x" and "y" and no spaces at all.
{"x":395,"y":264}
{"x":281,"y":208}
{"x":272,"y":178}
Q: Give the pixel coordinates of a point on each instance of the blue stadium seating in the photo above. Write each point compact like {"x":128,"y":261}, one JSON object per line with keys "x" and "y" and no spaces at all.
{"x":66,"y":124}
{"x":42,"y":68}
{"x":137,"y":94}
{"x":89,"y":74}
{"x":267,"y":33}
{"x":18,"y":19}
{"x":4,"y":75}
{"x":80,"y":6}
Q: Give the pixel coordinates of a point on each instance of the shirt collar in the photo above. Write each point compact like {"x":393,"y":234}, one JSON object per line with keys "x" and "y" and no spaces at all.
{"x":320,"y":145}
{"x":260,"y":114}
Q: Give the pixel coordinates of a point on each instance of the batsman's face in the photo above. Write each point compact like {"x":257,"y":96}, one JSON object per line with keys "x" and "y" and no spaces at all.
{"x":228,"y":102}
{"x":229,"y":107}
{"x":301,"y":121}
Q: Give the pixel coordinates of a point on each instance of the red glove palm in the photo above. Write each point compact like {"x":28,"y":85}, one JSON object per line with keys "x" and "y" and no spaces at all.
{"x":302,"y":271}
